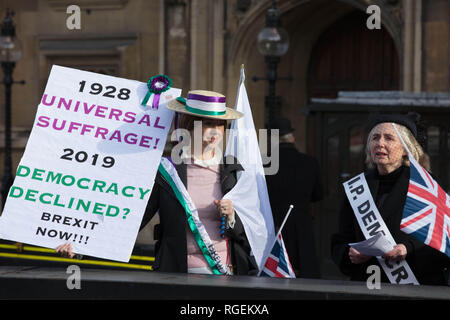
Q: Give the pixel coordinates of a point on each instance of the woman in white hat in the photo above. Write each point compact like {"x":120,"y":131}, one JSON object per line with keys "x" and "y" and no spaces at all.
{"x":199,"y":232}
{"x":210,"y":237}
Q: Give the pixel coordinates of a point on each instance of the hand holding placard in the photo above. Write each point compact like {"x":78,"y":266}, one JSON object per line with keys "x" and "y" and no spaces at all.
{"x":89,"y":166}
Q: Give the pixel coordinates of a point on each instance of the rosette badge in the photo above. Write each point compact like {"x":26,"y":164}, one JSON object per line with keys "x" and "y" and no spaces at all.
{"x":156,"y":85}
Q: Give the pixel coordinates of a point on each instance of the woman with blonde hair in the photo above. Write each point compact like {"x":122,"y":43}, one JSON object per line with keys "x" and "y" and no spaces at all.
{"x":388,"y":180}
{"x":411,"y":143}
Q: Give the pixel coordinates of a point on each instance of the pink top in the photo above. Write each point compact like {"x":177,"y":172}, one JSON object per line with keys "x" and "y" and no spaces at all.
{"x":204,"y":187}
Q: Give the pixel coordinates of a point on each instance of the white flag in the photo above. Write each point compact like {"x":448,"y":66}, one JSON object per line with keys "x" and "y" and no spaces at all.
{"x":249,"y":195}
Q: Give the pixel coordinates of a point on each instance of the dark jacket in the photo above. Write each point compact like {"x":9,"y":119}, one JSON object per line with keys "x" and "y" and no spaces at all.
{"x":297,"y":182}
{"x":428,"y":265}
{"x":171,"y":246}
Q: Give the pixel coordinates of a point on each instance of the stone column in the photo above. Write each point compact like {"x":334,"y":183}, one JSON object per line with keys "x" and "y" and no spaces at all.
{"x":436,"y":45}
{"x":207,"y":45}
{"x":177,"y":43}
{"x":412,"y":59}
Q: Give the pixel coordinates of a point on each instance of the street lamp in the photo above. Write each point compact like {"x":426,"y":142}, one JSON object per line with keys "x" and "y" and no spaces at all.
{"x":273,"y":43}
{"x":10,"y":53}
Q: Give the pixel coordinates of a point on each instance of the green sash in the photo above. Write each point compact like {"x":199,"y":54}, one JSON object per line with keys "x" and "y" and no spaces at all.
{"x":202,"y":238}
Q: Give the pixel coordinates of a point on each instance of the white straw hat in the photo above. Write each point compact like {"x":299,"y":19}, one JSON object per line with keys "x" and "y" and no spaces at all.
{"x":207,"y":104}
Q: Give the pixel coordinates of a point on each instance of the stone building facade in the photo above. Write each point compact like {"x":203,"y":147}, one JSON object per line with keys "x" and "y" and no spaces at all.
{"x":201,"y":44}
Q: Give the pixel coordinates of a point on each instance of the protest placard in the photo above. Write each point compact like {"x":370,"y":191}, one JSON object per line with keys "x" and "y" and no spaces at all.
{"x":89,"y":165}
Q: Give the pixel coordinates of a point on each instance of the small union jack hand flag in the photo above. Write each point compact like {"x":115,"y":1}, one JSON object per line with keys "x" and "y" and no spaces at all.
{"x":277,"y":264}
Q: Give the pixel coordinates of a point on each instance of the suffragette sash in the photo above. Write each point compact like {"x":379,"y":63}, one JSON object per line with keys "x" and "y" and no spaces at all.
{"x":371,"y":222}
{"x":202,"y":238}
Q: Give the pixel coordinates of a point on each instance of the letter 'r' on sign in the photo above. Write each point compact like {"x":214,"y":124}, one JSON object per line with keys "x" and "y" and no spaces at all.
{"x":374,"y":21}
{"x":74,"y":20}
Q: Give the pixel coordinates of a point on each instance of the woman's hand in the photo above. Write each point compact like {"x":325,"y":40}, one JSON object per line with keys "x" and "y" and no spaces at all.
{"x":65,"y":250}
{"x":397,"y":254}
{"x":225,"y":207}
{"x":356,"y":257}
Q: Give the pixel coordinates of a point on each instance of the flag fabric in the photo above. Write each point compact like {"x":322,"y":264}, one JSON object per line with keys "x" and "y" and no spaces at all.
{"x":277,"y":264}
{"x":426,"y":215}
{"x":250,"y":196}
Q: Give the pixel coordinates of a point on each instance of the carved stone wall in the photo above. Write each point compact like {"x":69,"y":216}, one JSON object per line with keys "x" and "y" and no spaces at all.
{"x":201,"y":44}
{"x":435,"y":46}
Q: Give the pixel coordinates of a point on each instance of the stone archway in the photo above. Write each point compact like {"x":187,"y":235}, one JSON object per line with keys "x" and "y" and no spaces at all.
{"x":348,"y":57}
{"x":305,"y":21}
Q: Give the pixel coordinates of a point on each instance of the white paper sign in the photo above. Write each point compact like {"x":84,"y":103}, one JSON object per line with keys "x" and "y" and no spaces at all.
{"x":89,"y":165}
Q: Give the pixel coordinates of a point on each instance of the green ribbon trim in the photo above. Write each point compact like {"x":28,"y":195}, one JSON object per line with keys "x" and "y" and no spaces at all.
{"x":147,"y":97}
{"x":205,"y":113}
{"x":199,"y":111}
{"x":190,"y":219}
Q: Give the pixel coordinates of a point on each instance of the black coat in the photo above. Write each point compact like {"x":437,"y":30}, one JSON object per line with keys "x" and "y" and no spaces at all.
{"x":171,"y":245}
{"x":297,"y":182}
{"x":428,"y":265}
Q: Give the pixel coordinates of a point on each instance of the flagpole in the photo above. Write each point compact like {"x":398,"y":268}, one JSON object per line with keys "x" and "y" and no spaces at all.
{"x":276,"y":237}
{"x":284,"y":221}
{"x":231,"y":134}
{"x":241,"y":80}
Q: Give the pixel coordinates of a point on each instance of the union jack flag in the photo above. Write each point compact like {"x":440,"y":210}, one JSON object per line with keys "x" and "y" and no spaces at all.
{"x":426,"y":214}
{"x":277,"y":264}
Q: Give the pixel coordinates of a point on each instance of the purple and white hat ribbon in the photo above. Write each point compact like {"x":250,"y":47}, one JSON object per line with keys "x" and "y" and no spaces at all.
{"x":204,"y":105}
